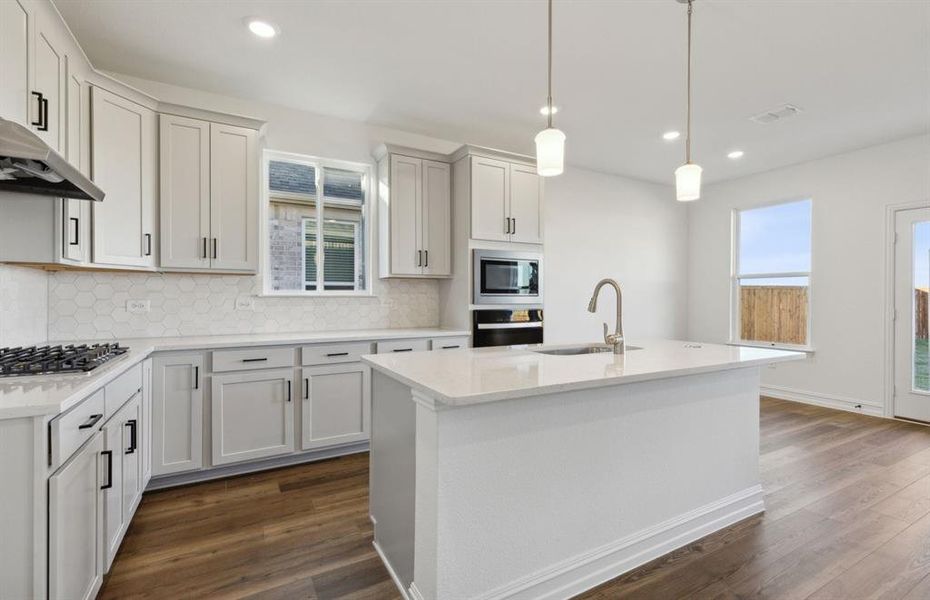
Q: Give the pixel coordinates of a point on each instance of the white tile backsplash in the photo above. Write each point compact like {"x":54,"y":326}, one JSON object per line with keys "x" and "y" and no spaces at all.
{"x":23,"y":306}
{"x":83,"y":305}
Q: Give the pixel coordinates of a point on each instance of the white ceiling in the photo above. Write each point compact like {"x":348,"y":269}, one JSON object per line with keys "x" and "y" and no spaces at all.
{"x":474,"y":70}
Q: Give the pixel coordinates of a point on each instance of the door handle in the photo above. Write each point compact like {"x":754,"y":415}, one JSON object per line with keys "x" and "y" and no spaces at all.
{"x":306,"y":388}
{"x":514,"y":229}
{"x":77,"y":231}
{"x":331,"y":354}
{"x":40,"y":97}
{"x":109,"y":483}
{"x":91,"y":421}
{"x":249,"y":360}
{"x":507,"y":220}
{"x":44,"y":126}
{"x":426,"y":253}
{"x":205,"y":247}
{"x":402,"y":350}
{"x":214,"y":247}
{"x":148,"y":244}
{"x":288,"y":390}
{"x":196,"y":377}
{"x":419,"y":258}
{"x":131,"y":423}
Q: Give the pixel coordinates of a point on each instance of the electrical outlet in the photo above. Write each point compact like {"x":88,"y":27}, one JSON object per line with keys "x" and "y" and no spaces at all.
{"x":245,"y":303}
{"x":138,"y":307}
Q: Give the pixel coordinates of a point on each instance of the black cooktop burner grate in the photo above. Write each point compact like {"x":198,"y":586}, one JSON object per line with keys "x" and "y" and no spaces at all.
{"x":40,"y":360}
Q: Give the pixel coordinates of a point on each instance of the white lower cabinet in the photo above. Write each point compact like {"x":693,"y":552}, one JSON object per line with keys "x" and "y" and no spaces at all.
{"x":146,"y":432}
{"x":177,"y":413}
{"x":252,"y":415}
{"x":123,"y":487}
{"x":336,"y":405}
{"x":75,"y":515}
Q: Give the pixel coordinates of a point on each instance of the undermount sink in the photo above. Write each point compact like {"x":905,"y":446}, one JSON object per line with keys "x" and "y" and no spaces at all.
{"x":587,"y":349}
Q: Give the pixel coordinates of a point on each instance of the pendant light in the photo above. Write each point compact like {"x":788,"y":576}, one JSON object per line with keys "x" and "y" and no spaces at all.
{"x":688,"y":175}
{"x":550,"y":142}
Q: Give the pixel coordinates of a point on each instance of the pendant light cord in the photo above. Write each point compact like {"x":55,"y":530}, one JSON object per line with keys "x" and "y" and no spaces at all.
{"x":688,"y":136}
{"x":549,"y":96}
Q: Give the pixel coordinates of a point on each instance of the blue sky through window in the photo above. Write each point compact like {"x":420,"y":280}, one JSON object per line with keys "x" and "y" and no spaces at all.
{"x":922,"y":255}
{"x":775,"y":239}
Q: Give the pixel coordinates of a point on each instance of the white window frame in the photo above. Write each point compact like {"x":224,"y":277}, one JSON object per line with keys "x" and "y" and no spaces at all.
{"x":735,"y":277}
{"x":368,"y":217}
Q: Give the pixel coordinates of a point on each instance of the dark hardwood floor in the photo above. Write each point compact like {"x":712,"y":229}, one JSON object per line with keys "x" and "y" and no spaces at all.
{"x":847,"y":518}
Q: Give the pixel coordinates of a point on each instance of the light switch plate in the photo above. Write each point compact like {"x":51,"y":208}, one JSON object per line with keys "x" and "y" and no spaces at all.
{"x":137,"y":307}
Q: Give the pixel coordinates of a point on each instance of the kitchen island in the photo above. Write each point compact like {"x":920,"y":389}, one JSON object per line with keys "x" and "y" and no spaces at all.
{"x":512,"y":473}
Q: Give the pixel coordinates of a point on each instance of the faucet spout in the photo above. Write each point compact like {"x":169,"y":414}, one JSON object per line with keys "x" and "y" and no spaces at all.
{"x":616,"y":338}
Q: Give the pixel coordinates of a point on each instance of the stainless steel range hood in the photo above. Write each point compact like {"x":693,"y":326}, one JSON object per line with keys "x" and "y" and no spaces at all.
{"x":29,"y":166}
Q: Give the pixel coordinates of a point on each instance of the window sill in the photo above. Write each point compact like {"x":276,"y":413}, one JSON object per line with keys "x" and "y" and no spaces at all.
{"x":368,"y":294}
{"x":791,"y":347}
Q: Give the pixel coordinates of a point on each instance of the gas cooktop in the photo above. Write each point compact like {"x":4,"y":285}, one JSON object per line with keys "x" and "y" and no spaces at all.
{"x":43,"y":360}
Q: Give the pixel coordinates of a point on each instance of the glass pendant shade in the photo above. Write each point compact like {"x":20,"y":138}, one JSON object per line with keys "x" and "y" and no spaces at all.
{"x":550,"y":152}
{"x":688,"y":182}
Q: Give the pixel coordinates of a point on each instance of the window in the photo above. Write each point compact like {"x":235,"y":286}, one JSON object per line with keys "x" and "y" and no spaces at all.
{"x":316,"y":243}
{"x":772,"y":275}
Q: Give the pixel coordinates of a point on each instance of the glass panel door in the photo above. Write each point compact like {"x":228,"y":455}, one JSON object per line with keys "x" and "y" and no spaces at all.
{"x":912,"y":283}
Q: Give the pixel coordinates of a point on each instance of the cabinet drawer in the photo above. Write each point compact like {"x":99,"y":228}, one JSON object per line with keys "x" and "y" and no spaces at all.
{"x":448,"y":343}
{"x":254,"y":358}
{"x":403,"y":346}
{"x":325,"y":354}
{"x":122,"y":389}
{"x":69,"y":431}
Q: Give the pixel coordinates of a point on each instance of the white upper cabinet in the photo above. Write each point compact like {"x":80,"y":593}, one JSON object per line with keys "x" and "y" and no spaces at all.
{"x":506,"y":201}
{"x":415,"y":213}
{"x":123,"y":165}
{"x":48,"y":93}
{"x":185,"y":192}
{"x":490,"y":189}
{"x":233,"y":198}
{"x":75,"y":213}
{"x":14,"y":62}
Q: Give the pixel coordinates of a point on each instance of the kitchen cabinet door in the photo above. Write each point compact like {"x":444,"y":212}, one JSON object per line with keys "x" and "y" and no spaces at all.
{"x":49,"y":81}
{"x":525,"y":204}
{"x":437,"y":218}
{"x":15,"y":98}
{"x":132,"y":457}
{"x":184,"y":163}
{"x":253,"y":415}
{"x":177,"y":413}
{"x":75,"y":244}
{"x":75,"y":524}
{"x":123,"y":165}
{"x":113,"y":517}
{"x":233,"y":198}
{"x":490,"y":191}
{"x":406,"y":192}
{"x":336,"y":405}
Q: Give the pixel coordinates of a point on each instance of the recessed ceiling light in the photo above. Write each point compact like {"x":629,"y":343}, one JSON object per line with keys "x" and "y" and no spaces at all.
{"x":545,"y":110}
{"x":671,"y":135}
{"x":735,"y":154}
{"x":262,"y":29}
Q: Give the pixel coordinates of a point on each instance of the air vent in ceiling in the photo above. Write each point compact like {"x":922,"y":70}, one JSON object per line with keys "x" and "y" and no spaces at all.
{"x":779,"y":113}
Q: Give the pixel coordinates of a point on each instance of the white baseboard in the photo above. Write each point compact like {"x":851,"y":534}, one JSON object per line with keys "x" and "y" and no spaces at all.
{"x":210,"y":473}
{"x":585,"y":571}
{"x":390,"y":569}
{"x":825,"y":400}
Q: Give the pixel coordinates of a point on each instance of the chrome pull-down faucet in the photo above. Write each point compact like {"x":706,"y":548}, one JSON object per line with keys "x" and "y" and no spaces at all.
{"x":614,"y":339}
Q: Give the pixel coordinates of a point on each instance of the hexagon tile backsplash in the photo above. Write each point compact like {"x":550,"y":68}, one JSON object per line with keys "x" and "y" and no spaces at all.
{"x":93,"y":306}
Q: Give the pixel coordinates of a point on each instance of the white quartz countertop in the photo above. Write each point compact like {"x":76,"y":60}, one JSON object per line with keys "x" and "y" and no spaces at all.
{"x":37,"y":395}
{"x":476,"y":375}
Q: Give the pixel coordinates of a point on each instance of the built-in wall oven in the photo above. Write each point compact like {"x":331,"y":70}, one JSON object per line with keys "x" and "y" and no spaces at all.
{"x":510,"y":327}
{"x":504,"y":277}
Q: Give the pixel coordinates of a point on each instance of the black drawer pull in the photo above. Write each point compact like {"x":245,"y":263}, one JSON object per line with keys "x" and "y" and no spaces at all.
{"x":288,"y":390}
{"x":403,"y":350}
{"x":109,"y":483}
{"x":196,"y":377}
{"x":133,"y":438}
{"x":331,"y":354}
{"x":77,"y":231}
{"x":450,"y":347}
{"x":255,"y":359}
{"x":93,"y":420}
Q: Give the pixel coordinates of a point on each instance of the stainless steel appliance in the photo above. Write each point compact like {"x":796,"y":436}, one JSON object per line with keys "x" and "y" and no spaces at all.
{"x":507,"y":327}
{"x":28,"y":165}
{"x":44,"y":360}
{"x":504,"y":277}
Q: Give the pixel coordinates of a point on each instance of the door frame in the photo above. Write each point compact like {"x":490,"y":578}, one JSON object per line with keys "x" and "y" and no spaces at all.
{"x":891,"y":213}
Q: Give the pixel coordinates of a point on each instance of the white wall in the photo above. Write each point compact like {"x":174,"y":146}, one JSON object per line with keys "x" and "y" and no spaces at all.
{"x":23,"y":306}
{"x":850,"y":194}
{"x":599,"y":225}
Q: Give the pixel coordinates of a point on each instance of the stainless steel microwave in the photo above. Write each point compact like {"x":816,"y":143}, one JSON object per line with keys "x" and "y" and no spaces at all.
{"x":503,"y":277}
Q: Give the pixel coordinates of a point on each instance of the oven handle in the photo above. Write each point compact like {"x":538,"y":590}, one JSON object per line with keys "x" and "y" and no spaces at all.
{"x":528,"y":325}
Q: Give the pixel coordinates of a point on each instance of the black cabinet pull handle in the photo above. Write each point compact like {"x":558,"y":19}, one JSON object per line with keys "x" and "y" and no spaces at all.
{"x":288,"y":390}
{"x":131,"y":424}
{"x":450,"y":347}
{"x":306,"y":388}
{"x":44,"y":126}
{"x":338,"y":354}
{"x":40,"y":97}
{"x":77,"y":231}
{"x":109,"y":483}
{"x":205,"y":247}
{"x":402,"y":350}
{"x":148,"y":244}
{"x":514,"y":226}
{"x":91,"y":421}
{"x":255,"y":359}
{"x":214,"y":247}
{"x":419,"y":258}
{"x":196,"y":377}
{"x":426,"y":252}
